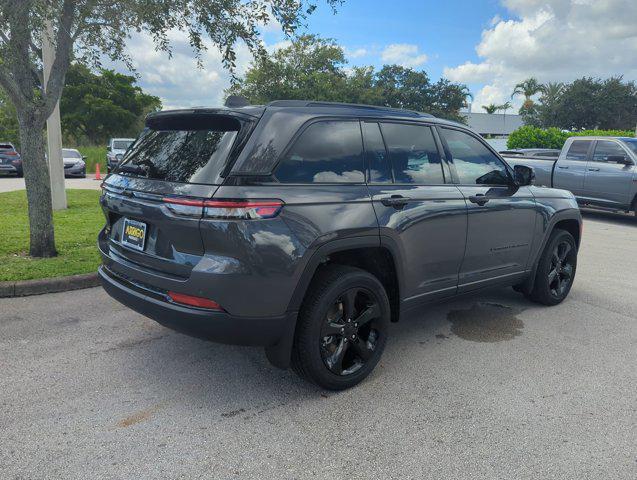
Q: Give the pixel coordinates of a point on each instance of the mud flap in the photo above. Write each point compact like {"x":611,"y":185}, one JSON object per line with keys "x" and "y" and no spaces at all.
{"x":280,"y":354}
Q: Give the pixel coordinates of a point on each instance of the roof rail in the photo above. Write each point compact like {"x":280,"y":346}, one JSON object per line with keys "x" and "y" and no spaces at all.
{"x":308,"y":103}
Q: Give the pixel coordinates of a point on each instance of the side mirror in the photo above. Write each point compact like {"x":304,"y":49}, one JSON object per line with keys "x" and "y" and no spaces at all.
{"x":108,"y":148}
{"x":523,"y":175}
{"x":620,"y":160}
{"x":84,"y":157}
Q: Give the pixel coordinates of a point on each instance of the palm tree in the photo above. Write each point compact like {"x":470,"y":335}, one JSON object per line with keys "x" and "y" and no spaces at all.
{"x":504,"y":107}
{"x":551,"y":92}
{"x":467,"y":94}
{"x":528,"y":88}
{"x":490,"y":109}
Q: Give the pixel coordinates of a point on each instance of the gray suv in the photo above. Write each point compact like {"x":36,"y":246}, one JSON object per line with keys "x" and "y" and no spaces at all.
{"x":309,"y":227}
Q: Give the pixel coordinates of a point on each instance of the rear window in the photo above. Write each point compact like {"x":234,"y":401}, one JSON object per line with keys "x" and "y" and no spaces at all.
{"x":578,"y":150}
{"x":6,"y":146}
{"x":198,"y":153}
{"x":70,"y":153}
{"x":326,"y":152}
{"x":413,"y":153}
{"x":632,"y":144}
{"x":121,"y":144}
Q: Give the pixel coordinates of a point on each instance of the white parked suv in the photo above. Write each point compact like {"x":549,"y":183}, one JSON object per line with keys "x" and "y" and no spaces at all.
{"x":115,"y":151}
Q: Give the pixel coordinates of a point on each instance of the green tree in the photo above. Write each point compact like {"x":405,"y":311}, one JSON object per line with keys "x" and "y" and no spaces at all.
{"x":491,"y":108}
{"x":528,"y":88}
{"x":548,"y":105}
{"x":504,"y":107}
{"x":309,"y":68}
{"x":8,"y":121}
{"x":95,"y":107}
{"x":312,"y":68}
{"x":91,"y":29}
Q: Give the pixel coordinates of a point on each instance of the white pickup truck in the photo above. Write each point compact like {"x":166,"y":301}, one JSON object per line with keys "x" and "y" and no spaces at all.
{"x":600,"y":171}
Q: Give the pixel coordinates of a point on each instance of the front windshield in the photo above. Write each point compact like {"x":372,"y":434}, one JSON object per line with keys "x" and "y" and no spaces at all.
{"x":632,"y":144}
{"x":121,"y":144}
{"x":70,"y":153}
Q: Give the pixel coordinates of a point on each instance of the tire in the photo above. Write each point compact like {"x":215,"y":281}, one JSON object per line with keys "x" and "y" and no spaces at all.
{"x":553,"y":278}
{"x":328,"y":350}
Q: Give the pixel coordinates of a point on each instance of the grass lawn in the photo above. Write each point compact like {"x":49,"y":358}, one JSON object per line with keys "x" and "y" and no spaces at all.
{"x":76,"y":232}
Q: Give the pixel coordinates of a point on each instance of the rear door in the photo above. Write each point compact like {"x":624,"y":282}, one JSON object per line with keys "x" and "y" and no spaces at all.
{"x":154,"y":202}
{"x":501,"y":218}
{"x":608,"y":182}
{"x":570,"y":169}
{"x":415,"y":206}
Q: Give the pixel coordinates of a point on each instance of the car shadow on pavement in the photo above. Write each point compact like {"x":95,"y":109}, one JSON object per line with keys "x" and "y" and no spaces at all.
{"x":628,"y":219}
{"x":229,"y":381}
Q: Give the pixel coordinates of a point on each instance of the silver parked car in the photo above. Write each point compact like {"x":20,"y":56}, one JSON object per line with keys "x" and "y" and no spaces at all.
{"x":600,"y":171}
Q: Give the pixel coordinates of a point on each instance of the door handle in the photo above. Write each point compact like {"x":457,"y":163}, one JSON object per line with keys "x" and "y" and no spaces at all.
{"x":593,"y":169}
{"x":562,"y":167}
{"x":480,"y":199}
{"x":396,"y":201}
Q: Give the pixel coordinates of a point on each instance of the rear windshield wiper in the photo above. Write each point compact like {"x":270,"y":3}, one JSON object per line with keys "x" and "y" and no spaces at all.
{"x":128,"y":168}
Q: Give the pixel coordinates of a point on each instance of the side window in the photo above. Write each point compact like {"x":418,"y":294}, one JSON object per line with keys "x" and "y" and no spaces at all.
{"x":376,"y":154}
{"x":326,"y":152}
{"x":475,"y":163}
{"x":605,"y":149}
{"x":413,"y":153}
{"x":578,"y":150}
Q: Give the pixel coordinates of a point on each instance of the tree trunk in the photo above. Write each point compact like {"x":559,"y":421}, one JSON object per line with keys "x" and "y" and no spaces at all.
{"x":38,"y":184}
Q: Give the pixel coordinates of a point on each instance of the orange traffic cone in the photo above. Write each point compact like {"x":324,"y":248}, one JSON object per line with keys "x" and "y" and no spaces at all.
{"x":97,"y":172}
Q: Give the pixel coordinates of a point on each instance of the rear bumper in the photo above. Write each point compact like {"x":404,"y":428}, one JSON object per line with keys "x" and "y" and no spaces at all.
{"x":9,"y":169}
{"x":215,"y":326}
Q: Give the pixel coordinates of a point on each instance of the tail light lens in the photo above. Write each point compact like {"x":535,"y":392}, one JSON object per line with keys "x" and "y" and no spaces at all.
{"x":242,"y":209}
{"x":193,"y":301}
{"x":225,"y":209}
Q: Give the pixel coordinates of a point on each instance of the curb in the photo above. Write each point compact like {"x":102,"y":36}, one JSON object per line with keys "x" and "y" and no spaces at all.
{"x":24,"y":288}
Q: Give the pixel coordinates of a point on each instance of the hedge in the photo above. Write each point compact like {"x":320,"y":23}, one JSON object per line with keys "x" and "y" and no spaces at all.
{"x":534,"y":137}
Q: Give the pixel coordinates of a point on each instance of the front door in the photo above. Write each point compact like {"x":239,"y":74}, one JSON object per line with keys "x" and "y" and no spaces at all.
{"x":501,"y":218}
{"x":609,"y":183}
{"x":425,"y":216}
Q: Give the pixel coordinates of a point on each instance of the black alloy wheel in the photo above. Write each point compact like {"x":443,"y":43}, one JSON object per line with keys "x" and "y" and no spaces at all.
{"x":342,"y":327}
{"x":350,"y":332}
{"x":561,"y":271}
{"x":555,"y":270}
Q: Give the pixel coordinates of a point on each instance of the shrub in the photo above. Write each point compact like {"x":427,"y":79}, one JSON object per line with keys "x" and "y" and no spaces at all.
{"x":534,"y":137}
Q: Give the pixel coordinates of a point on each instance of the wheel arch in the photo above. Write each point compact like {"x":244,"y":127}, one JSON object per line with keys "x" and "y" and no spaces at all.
{"x":568,"y":220}
{"x":375,"y":256}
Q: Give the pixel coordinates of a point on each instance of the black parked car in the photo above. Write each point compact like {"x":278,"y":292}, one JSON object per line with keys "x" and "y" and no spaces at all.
{"x":308,"y":227}
{"x":10,"y":160}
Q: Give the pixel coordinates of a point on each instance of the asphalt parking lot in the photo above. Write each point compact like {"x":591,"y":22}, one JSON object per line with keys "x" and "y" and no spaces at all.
{"x":486,"y":387}
{"x":10,"y":183}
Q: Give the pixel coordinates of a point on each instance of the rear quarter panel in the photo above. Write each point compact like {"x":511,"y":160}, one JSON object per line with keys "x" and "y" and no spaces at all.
{"x":260,"y":262}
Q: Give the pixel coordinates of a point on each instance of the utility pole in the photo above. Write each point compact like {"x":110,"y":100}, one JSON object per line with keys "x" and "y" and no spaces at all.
{"x":53,"y":127}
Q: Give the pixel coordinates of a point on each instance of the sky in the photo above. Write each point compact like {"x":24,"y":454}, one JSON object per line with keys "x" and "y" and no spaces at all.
{"x":489,"y":45}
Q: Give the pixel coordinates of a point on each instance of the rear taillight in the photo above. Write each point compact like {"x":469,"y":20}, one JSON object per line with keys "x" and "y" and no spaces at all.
{"x":242,"y":209}
{"x":225,"y":209}
{"x":192,"y":301}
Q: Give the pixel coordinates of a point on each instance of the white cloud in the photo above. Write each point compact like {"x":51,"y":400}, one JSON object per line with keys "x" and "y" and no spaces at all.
{"x":356,"y":53}
{"x":177,"y":80}
{"x":552,"y":40}
{"x":403,"y":54}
